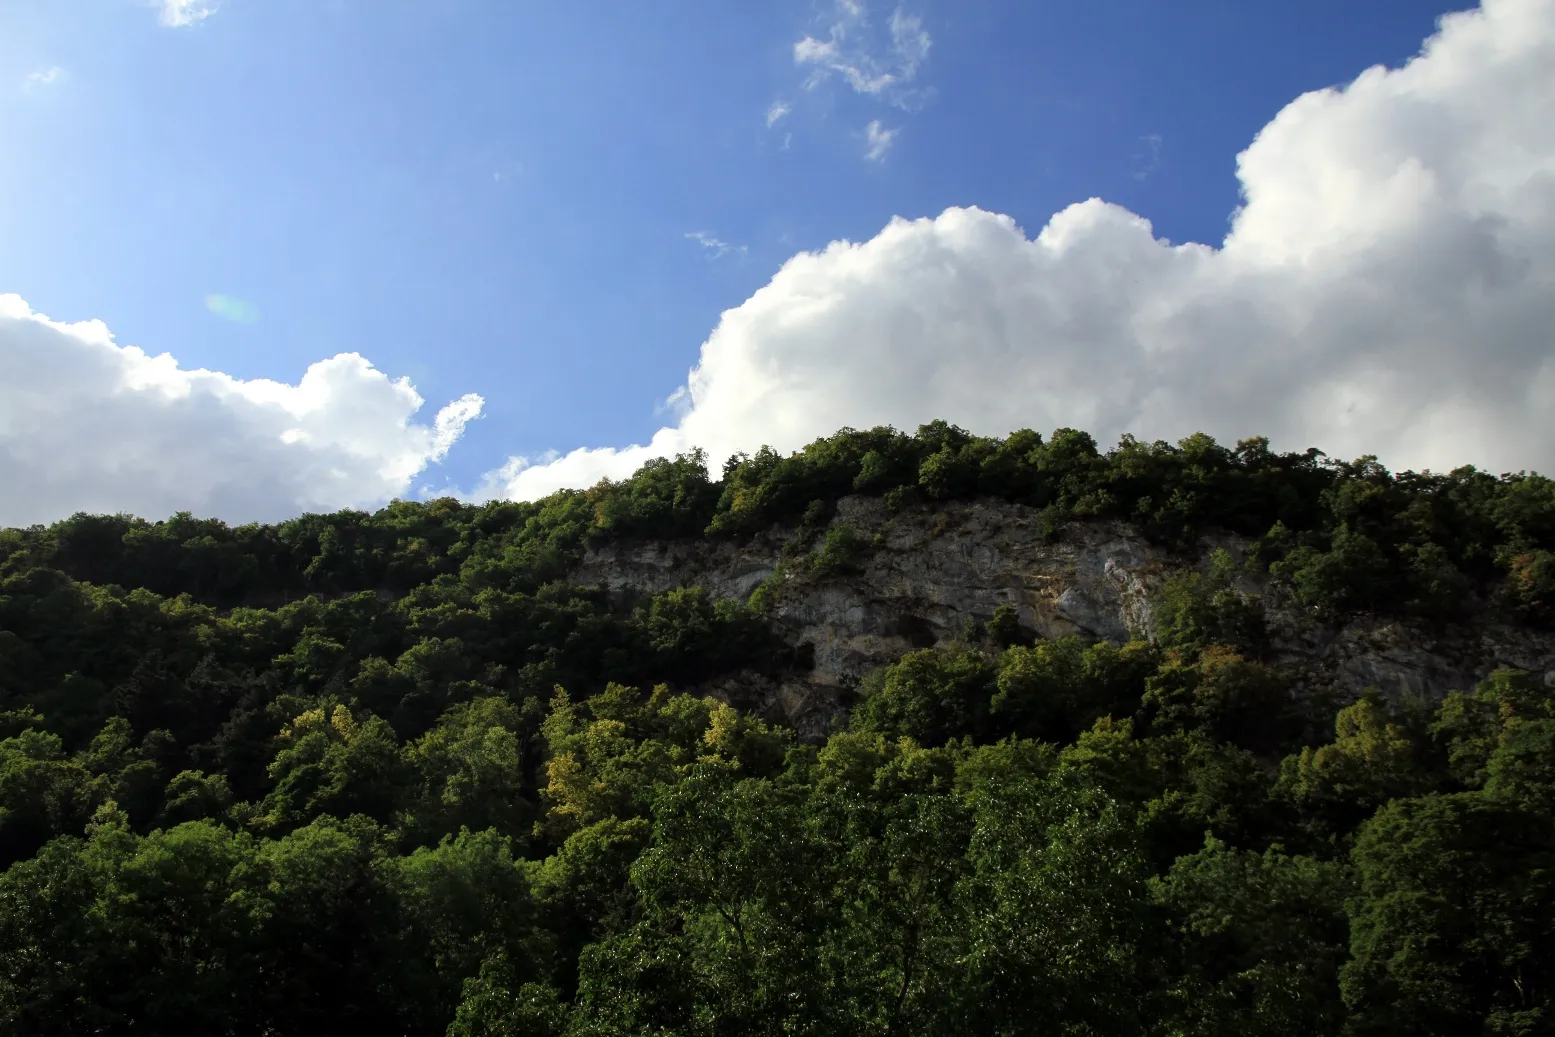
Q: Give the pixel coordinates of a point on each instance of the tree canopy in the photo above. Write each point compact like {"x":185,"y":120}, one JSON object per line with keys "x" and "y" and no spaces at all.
{"x":394,"y":773}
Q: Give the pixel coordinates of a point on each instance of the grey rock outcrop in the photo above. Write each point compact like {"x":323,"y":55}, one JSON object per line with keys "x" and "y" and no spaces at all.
{"x":929,"y":570}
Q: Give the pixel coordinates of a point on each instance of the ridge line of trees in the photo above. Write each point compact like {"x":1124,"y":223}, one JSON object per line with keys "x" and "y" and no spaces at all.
{"x":1346,"y":536}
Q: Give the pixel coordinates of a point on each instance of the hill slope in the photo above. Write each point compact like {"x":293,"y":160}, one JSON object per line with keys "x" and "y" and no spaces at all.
{"x":921,"y":576}
{"x":927,"y":734}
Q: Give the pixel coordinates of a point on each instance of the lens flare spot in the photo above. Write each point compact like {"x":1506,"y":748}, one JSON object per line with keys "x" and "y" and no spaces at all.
{"x":229,"y":307}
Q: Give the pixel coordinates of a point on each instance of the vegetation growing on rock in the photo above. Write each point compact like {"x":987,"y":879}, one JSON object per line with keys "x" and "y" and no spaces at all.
{"x":394,"y":773}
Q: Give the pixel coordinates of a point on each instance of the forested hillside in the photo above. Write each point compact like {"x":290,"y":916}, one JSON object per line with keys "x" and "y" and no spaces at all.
{"x":393,"y":773}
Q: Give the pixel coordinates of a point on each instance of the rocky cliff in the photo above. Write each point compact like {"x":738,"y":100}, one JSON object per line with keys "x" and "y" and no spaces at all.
{"x":922,"y":573}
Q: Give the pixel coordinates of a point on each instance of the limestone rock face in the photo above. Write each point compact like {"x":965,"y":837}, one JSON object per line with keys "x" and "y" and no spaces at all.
{"x":928,"y":570}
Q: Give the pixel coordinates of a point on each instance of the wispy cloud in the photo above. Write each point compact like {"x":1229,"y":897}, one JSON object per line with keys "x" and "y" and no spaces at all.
{"x":879,"y":140}
{"x":176,"y":14}
{"x":714,"y":245}
{"x":507,"y":173}
{"x":777,"y":112}
{"x":678,"y":403}
{"x":877,"y":63}
{"x":878,"y":59}
{"x":43,"y":77}
{"x":1147,"y":160}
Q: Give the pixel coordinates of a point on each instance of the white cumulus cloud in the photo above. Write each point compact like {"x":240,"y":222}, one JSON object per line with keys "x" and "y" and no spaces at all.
{"x":89,"y":425}
{"x":1387,"y":287}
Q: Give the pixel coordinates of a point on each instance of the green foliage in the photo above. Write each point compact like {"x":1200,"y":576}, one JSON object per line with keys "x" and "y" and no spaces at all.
{"x":929,"y":696}
{"x":1352,"y":574}
{"x":840,"y":551}
{"x":1194,"y":610}
{"x":1530,"y":583}
{"x":1233,"y":699}
{"x":497,"y":1003}
{"x":1347,"y":535}
{"x":1452,"y":928}
{"x":1004,"y":629}
{"x":193,"y":796}
{"x":1372,"y":760}
{"x":394,"y":773}
{"x":473,"y":771}
{"x":1057,"y":906}
{"x":666,"y":498}
{"x":1260,"y":938}
{"x":1056,"y":689}
{"x":329,"y":764}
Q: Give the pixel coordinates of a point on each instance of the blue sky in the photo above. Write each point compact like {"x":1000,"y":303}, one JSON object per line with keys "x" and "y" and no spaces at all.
{"x":493,"y":196}
{"x":551,"y":204}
